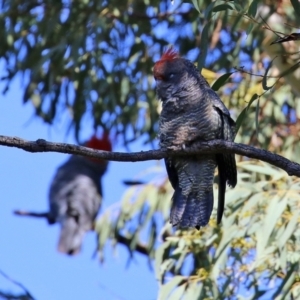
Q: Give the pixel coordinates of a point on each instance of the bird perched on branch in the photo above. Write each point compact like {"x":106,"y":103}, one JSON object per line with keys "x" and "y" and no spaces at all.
{"x":75,"y":196}
{"x":191,"y":112}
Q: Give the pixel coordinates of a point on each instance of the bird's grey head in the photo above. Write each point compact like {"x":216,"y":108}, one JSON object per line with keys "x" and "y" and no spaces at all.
{"x":173,"y":74}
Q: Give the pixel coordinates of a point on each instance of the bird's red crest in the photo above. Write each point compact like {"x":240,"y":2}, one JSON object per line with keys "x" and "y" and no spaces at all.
{"x":170,"y":54}
{"x":100,"y":144}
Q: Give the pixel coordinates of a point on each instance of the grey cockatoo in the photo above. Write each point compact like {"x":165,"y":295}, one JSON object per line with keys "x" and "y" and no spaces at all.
{"x":191,"y":112}
{"x":75,"y":196}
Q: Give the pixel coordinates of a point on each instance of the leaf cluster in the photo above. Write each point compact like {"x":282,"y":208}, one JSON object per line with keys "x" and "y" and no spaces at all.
{"x":90,"y":60}
{"x":254,"y":252}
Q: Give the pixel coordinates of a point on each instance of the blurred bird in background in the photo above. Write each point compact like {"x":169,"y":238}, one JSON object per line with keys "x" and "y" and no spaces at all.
{"x":75,"y":196}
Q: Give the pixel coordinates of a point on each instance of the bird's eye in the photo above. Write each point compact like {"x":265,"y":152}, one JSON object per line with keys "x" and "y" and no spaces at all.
{"x":171,"y":75}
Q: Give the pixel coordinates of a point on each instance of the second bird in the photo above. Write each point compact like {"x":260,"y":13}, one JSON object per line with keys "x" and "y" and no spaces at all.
{"x":75,"y":196}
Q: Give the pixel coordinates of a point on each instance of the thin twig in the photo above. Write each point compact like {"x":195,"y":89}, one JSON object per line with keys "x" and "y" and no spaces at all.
{"x":242,"y":70}
{"x":140,"y":248}
{"x":27,"y":293}
{"x":24,"y":213}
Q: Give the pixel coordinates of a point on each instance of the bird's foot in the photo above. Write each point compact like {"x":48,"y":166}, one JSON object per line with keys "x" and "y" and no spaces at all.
{"x":177,"y":147}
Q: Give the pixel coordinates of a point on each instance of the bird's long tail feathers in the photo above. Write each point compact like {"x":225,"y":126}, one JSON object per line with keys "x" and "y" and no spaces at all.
{"x":228,"y":159}
{"x":193,"y":199}
{"x":222,"y":186}
{"x":226,"y":166}
{"x":71,"y":236}
{"x":230,"y":169}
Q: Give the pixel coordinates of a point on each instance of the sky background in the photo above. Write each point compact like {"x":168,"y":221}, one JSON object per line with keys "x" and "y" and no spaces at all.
{"x":28,"y":245}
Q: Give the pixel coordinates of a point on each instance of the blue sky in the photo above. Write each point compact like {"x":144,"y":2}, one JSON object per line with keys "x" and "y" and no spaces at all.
{"x":28,"y":245}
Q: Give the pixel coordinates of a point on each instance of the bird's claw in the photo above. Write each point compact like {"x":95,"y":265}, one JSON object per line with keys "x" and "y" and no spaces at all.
{"x":177,"y":147}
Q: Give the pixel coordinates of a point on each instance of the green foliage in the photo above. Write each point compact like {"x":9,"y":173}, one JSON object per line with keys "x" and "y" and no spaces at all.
{"x":243,"y":114}
{"x":258,"y":241}
{"x":92,"y":60}
{"x":89,"y":58}
{"x":255,"y":252}
{"x":221,"y":81}
{"x":143,"y":208}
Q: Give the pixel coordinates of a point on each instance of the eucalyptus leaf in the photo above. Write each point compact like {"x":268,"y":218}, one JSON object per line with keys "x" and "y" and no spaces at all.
{"x":221,"y":81}
{"x":296,"y":6}
{"x":166,"y":289}
{"x":253,"y":8}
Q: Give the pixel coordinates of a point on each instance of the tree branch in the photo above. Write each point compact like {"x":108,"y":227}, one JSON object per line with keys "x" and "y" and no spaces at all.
{"x":25,"y":213}
{"x":26,"y":296}
{"x":125,"y":241}
{"x":140,"y":248}
{"x":214,"y":146}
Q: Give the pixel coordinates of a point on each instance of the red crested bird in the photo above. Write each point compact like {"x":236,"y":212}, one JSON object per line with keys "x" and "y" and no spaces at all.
{"x":75,"y":196}
{"x":192,"y":112}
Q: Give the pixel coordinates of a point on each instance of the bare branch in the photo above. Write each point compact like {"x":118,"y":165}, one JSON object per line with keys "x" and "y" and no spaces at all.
{"x":140,"y":248}
{"x":24,"y":213}
{"x":123,"y":240}
{"x":242,"y":70}
{"x":215,"y":146}
{"x":27,"y":295}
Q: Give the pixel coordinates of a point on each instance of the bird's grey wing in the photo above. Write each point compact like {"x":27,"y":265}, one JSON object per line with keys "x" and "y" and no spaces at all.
{"x":222,"y":186}
{"x":227,"y":133}
{"x":226,"y":162}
